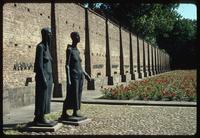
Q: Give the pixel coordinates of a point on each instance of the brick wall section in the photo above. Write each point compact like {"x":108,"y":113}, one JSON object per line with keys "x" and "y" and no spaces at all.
{"x":22,"y":24}
{"x":114,"y":48}
{"x":69,"y":18}
{"x":150,"y":58}
{"x":146,"y":55}
{"x":126,"y":50}
{"x":141,"y":54}
{"x":97,"y":28}
{"x":134,"y":48}
{"x":21,"y":33}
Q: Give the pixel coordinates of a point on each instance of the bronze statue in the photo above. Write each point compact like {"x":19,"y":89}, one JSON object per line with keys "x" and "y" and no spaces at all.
{"x":75,"y":77}
{"x":44,"y":80}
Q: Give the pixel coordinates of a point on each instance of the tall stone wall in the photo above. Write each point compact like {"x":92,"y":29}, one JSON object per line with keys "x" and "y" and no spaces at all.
{"x":69,"y":18}
{"x":22,"y":24}
{"x":126,"y":54}
{"x":114,"y":44}
{"x":135,"y":54}
{"x":97,"y":38}
{"x":149,"y":60}
{"x":141,"y":58}
{"x":100,"y":41}
{"x":146,"y":73}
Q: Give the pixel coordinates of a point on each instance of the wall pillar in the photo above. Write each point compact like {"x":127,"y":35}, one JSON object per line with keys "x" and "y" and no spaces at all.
{"x":57,"y":91}
{"x":91,"y":84}
{"x":132,"y":72}
{"x":138,"y":59}
{"x":123,"y":76}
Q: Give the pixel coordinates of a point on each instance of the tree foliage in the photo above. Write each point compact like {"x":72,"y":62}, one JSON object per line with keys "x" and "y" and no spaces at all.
{"x":158,"y":24}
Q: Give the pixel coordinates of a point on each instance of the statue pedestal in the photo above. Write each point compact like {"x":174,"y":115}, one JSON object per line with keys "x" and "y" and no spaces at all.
{"x":31,"y":127}
{"x":75,"y":120}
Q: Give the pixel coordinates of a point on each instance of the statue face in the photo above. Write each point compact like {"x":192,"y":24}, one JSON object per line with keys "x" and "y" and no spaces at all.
{"x":75,"y":37}
{"x":46,"y":35}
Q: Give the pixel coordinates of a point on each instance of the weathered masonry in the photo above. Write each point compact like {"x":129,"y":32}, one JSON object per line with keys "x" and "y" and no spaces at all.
{"x":109,"y":53}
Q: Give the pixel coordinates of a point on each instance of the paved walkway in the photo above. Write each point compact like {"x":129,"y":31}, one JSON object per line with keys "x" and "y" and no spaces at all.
{"x":158,"y":118}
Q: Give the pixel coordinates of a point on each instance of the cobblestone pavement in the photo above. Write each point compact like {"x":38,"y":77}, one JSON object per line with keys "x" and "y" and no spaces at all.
{"x":131,"y":120}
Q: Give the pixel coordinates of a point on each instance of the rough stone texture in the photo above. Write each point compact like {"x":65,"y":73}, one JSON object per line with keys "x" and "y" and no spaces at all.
{"x":97,"y":44}
{"x":21,"y":33}
{"x":155,"y":60}
{"x":146,"y":57}
{"x":141,"y":57}
{"x":97,"y":38}
{"x":126,"y":53}
{"x":132,"y":120}
{"x":134,"y":48}
{"x":67,"y":21}
{"x":150,"y":60}
{"x":114,"y":50}
{"x":22,"y":24}
{"x":43,"y":129}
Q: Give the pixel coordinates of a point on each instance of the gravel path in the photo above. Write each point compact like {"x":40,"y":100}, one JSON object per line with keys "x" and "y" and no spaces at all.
{"x":132,"y":120}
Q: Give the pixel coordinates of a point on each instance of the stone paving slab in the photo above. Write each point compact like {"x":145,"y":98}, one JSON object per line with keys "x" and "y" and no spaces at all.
{"x":131,"y":120}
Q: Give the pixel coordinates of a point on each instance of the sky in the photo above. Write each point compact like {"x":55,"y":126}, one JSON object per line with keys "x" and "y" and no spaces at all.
{"x":188,"y":11}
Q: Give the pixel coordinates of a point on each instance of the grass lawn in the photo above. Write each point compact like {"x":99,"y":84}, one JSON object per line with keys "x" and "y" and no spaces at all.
{"x":178,"y":85}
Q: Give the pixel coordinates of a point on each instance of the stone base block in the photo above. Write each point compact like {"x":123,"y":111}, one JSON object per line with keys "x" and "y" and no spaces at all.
{"x":77,"y":123}
{"x":140,"y":75}
{"x":133,"y":76}
{"x":145,"y":73}
{"x":97,"y":83}
{"x":31,"y":128}
{"x":113,"y":80}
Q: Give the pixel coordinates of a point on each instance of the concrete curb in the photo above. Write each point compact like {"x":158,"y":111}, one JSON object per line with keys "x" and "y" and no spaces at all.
{"x":134,"y":102}
{"x":141,"y":103}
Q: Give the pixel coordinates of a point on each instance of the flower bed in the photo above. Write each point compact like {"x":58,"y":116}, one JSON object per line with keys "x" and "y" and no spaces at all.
{"x":179,"y":85}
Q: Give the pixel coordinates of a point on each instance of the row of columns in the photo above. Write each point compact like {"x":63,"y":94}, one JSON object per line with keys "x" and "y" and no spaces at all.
{"x":150,"y":61}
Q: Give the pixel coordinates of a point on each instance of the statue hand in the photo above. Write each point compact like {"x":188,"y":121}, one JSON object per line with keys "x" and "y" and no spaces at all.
{"x":69,"y":83}
{"x":88,"y":78}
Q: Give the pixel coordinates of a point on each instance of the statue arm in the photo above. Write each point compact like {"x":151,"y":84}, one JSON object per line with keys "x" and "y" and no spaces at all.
{"x":68,"y":57}
{"x":86,"y":75}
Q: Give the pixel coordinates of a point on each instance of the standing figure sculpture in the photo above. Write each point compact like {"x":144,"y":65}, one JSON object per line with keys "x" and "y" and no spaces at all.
{"x":44,"y":80}
{"x":75,"y":78}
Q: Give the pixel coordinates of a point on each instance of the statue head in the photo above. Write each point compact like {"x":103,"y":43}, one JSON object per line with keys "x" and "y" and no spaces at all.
{"x":46,"y":35}
{"x":75,"y":37}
